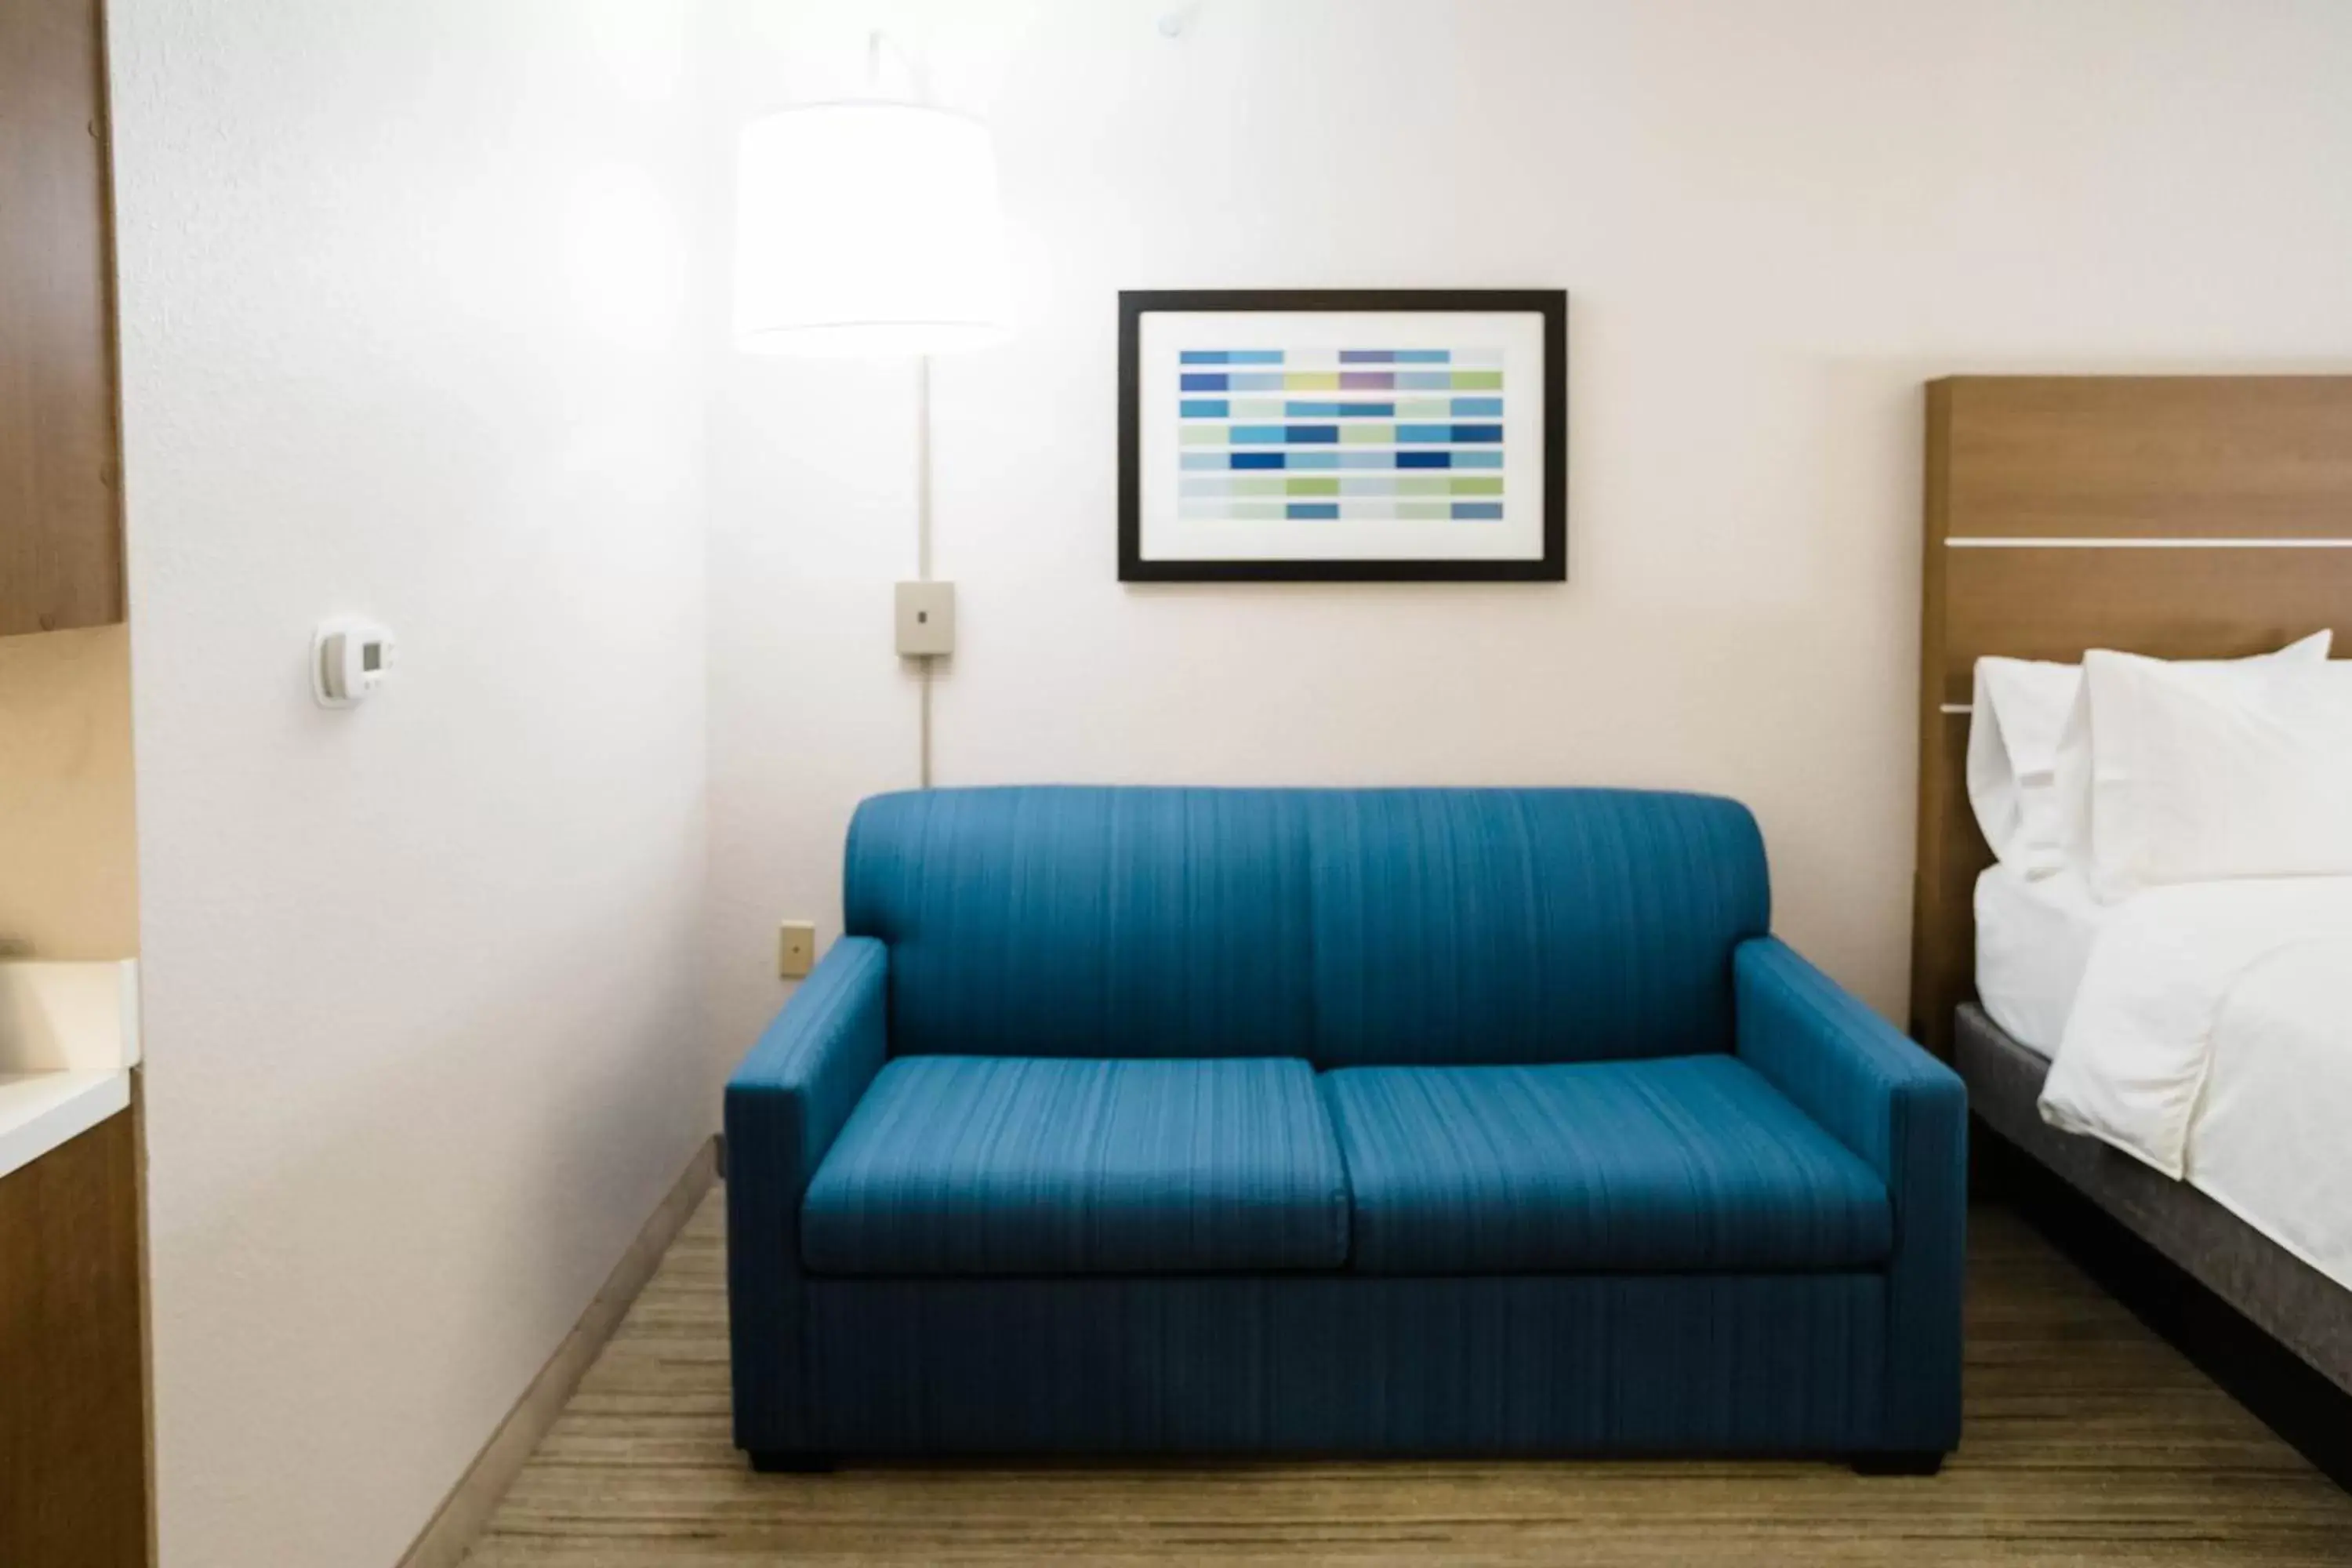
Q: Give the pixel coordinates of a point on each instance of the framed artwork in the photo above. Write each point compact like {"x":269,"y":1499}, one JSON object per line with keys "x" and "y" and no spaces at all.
{"x":1395,"y":436}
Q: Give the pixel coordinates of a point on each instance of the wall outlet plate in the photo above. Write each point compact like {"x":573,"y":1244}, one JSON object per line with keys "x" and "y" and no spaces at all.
{"x":796,"y":949}
{"x":926,"y":620}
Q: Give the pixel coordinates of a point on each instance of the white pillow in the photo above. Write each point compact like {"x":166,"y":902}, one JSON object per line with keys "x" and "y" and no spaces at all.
{"x":2029,"y":757}
{"x":2207,"y":773}
{"x":2020,"y":712}
{"x":2072,"y":792}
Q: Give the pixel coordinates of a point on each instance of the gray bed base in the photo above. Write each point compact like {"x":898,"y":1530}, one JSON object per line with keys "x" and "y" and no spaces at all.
{"x":2288,"y":1300}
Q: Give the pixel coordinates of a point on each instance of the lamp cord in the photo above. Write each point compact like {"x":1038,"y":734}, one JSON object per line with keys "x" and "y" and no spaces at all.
{"x":875,"y":41}
{"x":923,"y":551}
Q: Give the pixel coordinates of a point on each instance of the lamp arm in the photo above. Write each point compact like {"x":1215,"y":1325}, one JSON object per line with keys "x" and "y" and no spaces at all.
{"x":918,"y":79}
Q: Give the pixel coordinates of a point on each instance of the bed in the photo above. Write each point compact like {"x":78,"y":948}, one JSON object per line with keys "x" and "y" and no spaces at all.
{"x":2188,"y":519}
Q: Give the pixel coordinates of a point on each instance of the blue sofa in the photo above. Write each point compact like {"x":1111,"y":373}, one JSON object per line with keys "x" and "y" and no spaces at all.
{"x":1334,"y":1122}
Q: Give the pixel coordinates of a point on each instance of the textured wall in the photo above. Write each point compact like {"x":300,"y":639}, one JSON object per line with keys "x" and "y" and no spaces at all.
{"x":1774,"y":222}
{"x":409,"y":296}
{"x":69,"y":858}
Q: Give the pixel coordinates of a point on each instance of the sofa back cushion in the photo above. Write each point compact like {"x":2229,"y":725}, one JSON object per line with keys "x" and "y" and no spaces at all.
{"x":1352,"y":927}
{"x":1087,"y":923}
{"x":1455,"y":926}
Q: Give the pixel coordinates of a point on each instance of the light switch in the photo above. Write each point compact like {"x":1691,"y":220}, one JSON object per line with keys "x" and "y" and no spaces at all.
{"x":796,"y":949}
{"x":925,"y":618}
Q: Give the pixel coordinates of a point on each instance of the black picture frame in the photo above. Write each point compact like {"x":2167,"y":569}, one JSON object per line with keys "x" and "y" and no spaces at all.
{"x":1550,"y":304}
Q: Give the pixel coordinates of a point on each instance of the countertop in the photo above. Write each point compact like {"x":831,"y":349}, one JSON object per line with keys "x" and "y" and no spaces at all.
{"x":40,"y":1111}
{"x":69,"y":1039}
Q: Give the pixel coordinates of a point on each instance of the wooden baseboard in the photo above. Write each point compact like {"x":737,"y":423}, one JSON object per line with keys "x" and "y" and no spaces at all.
{"x":469,"y":1507}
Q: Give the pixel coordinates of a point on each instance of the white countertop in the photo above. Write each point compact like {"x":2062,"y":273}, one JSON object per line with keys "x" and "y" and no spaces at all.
{"x":40,"y":1111}
{"x":69,"y":1039}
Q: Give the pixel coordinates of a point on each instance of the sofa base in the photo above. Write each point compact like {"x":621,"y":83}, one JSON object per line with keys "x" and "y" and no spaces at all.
{"x":1927,"y":1462}
{"x":1791,"y":1366}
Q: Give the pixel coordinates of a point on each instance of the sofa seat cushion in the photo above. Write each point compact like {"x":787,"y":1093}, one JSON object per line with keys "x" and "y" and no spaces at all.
{"x":1674,"y":1164}
{"x":980,"y":1165}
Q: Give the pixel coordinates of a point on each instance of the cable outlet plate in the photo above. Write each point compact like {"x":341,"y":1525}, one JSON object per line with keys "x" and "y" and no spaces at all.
{"x":795,"y":948}
{"x":926,"y":620}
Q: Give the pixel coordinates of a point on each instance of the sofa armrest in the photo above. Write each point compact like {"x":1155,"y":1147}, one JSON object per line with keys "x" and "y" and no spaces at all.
{"x":785,"y":1104}
{"x":800,"y":1083}
{"x":1904,"y":1112}
{"x":1848,"y":1069}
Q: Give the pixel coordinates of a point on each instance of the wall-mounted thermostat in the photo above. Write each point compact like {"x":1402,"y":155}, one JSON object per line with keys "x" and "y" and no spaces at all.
{"x":347,"y":658}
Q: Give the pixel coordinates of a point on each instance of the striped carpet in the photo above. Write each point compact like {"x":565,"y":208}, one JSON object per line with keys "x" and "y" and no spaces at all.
{"x":2089,"y":1441}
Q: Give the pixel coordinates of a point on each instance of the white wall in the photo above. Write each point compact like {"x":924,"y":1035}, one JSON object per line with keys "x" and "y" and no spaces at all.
{"x":69,"y":855}
{"x":410,"y":327}
{"x":1774,"y":223}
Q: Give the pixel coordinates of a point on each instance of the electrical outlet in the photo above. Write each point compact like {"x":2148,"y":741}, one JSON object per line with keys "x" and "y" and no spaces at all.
{"x":796,"y":949}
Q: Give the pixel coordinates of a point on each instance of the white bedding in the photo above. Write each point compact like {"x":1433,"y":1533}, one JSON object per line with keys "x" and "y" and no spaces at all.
{"x":2271,"y":1141}
{"x":2212,"y":1036}
{"x":2033,"y":941}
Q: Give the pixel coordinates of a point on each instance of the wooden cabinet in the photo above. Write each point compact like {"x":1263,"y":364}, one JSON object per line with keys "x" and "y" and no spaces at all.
{"x":73,"y":1403}
{"x":61,"y":509}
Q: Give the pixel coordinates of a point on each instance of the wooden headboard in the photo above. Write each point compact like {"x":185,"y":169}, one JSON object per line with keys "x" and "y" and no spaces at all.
{"x":2184,"y":517}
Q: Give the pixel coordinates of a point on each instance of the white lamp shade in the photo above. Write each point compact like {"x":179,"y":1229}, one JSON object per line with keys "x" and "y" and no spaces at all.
{"x":867,"y":228}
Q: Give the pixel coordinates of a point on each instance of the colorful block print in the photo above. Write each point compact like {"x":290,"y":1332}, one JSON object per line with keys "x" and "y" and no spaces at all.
{"x":1230,"y":441}
{"x":1318,"y":357}
{"x":1192,"y":462}
{"x":1342,"y":380}
{"x":1340,"y":510}
{"x":1365,"y":436}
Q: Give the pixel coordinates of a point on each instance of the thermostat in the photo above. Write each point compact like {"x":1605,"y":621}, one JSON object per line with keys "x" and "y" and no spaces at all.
{"x":347,"y":660}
